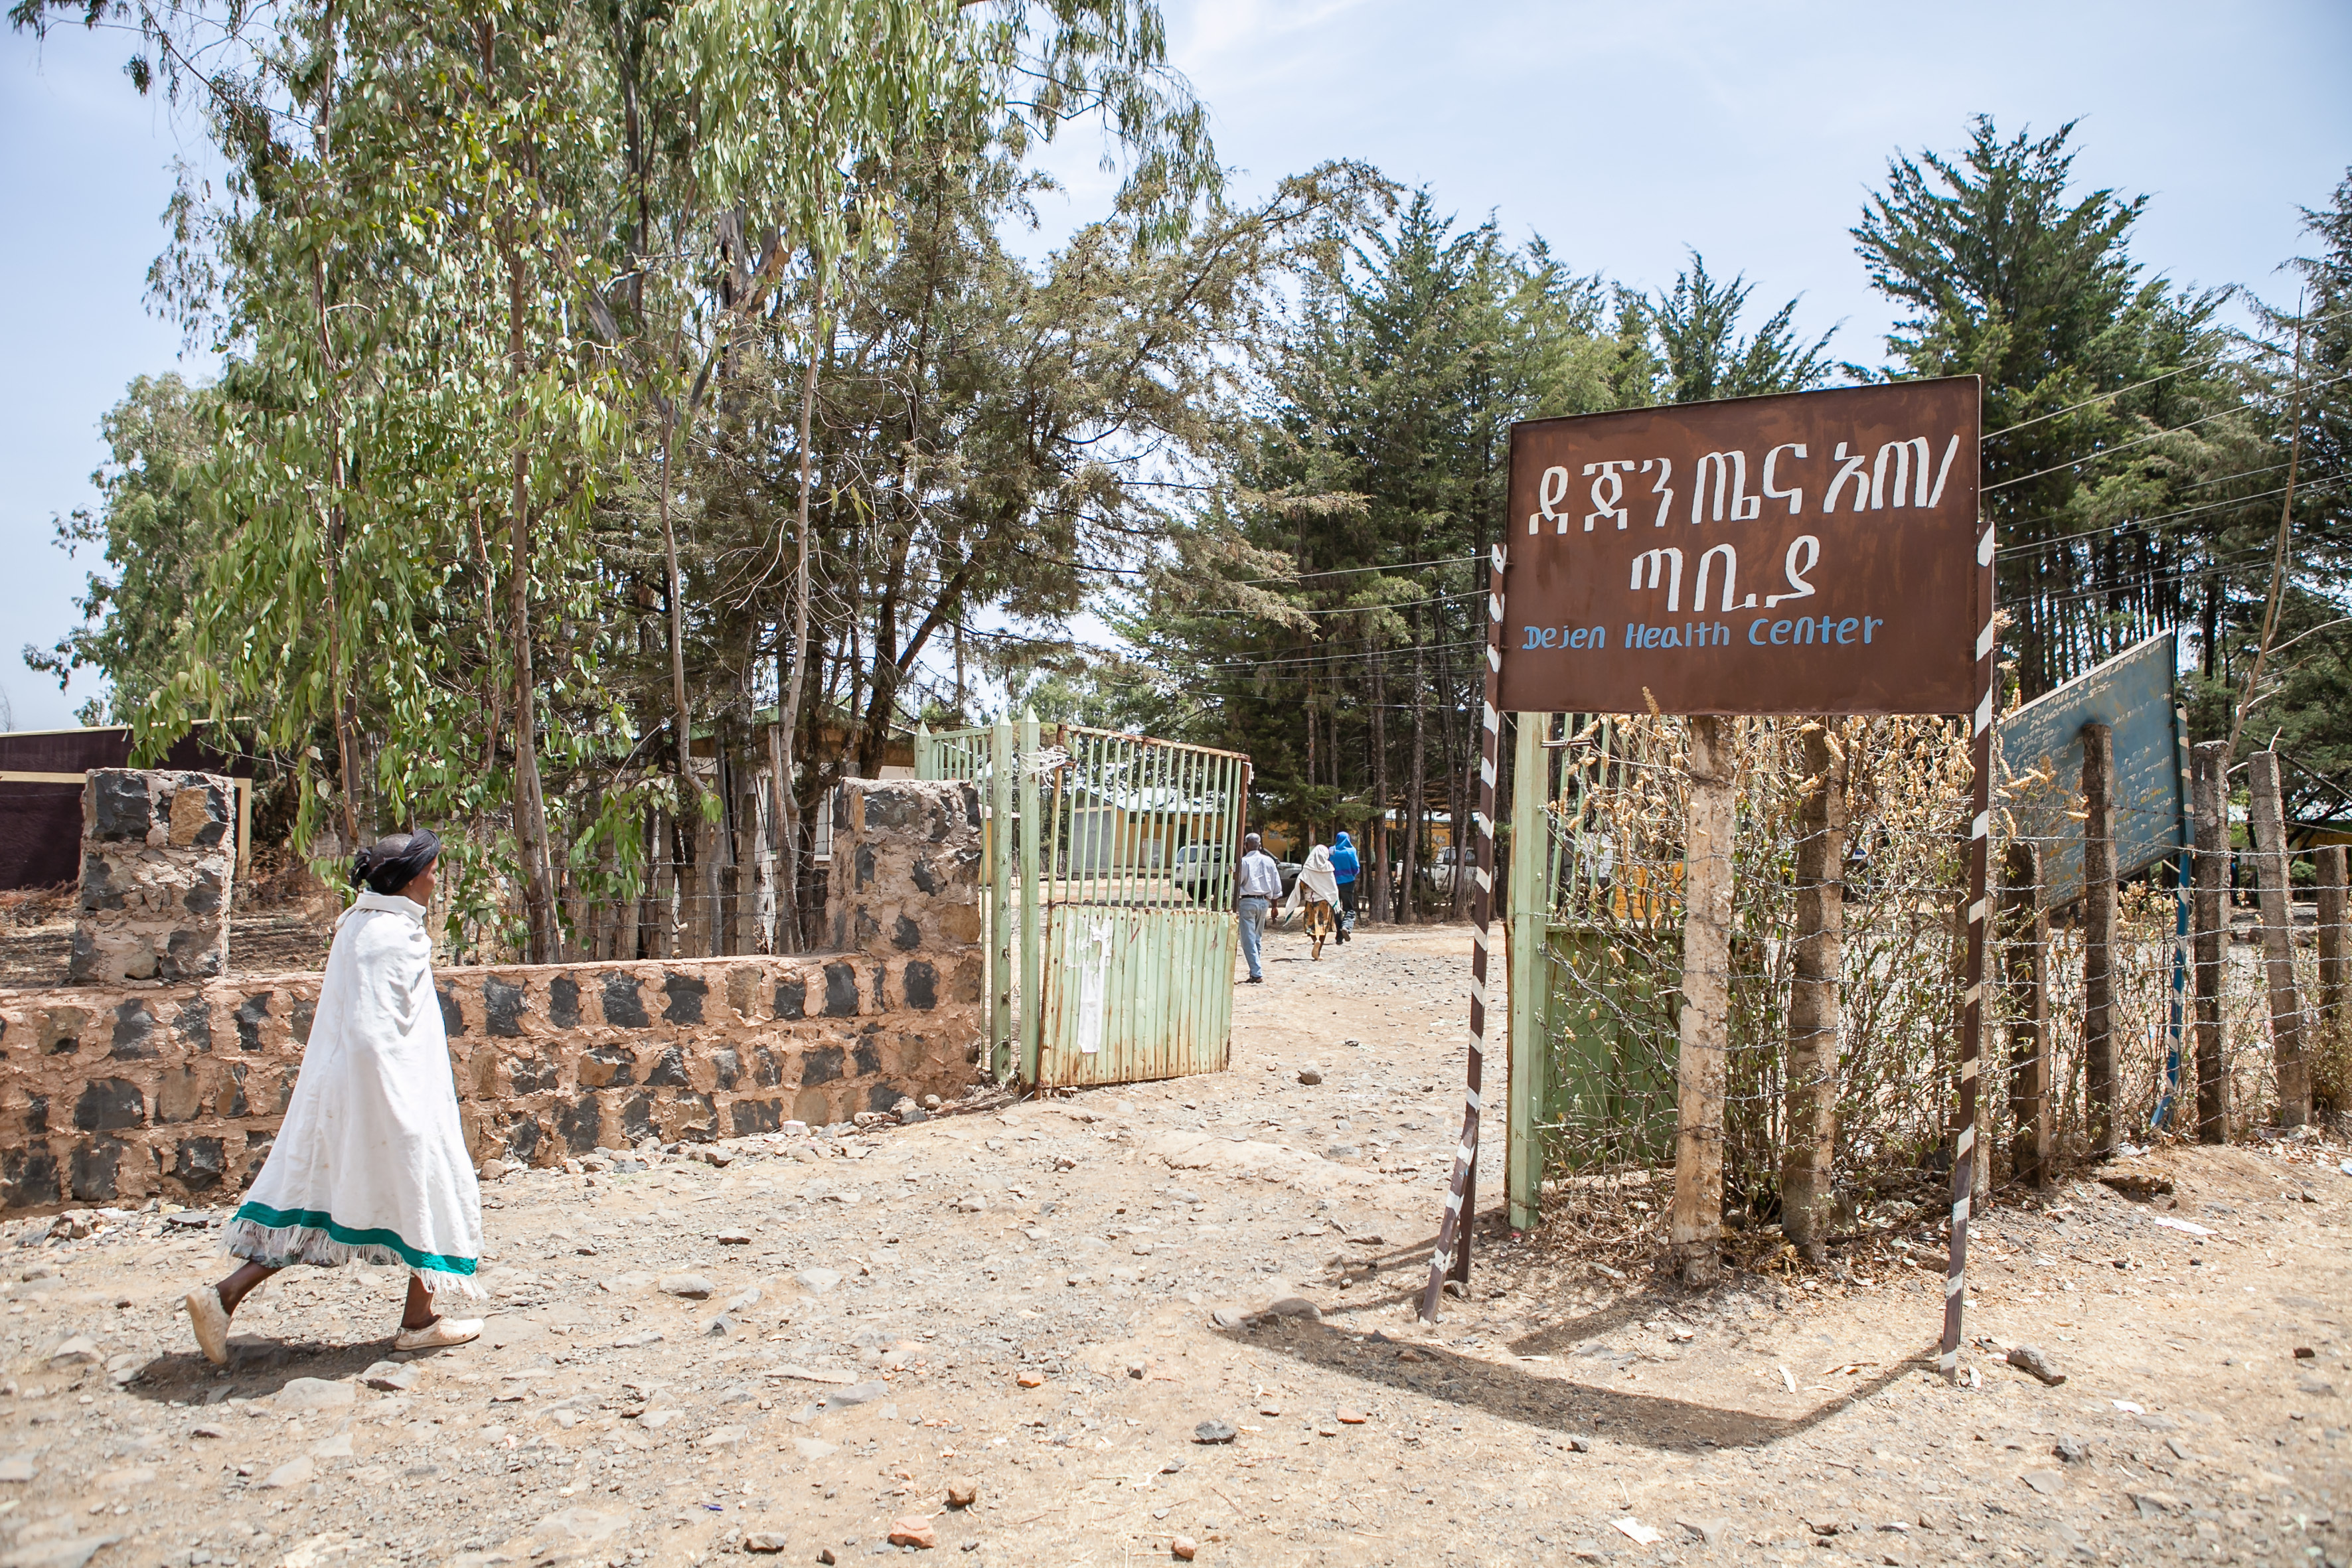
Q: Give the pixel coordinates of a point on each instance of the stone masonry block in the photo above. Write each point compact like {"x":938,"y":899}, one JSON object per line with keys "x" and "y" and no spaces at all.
{"x":158,"y":861}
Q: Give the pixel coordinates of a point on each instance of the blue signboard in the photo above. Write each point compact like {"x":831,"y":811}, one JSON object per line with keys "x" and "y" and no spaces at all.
{"x":2039,"y":781}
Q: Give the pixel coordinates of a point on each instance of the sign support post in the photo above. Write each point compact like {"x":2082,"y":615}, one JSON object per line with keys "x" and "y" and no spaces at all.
{"x":1964,"y":1159}
{"x":1462,"y":1192}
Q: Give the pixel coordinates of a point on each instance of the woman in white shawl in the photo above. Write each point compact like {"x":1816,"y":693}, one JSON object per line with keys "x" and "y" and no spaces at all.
{"x":370,"y":1162}
{"x":1317,"y":892}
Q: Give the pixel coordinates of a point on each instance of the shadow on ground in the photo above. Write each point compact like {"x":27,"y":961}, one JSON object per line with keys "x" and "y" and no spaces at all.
{"x":257,"y":1368}
{"x":1557,"y":1403}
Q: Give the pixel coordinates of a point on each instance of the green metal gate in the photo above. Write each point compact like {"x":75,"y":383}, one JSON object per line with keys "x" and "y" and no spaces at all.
{"x":1595,"y":967}
{"x":1125,"y":931}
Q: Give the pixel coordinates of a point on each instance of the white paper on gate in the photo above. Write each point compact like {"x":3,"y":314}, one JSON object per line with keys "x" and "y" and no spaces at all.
{"x":1093,"y":979}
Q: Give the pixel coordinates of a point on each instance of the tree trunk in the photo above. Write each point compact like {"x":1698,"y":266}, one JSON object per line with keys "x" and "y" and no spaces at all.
{"x":2334,"y":969}
{"x":530,"y":809}
{"x":2099,"y":936}
{"x":1417,"y":803}
{"x":1814,"y":1004}
{"x":1382,"y":905}
{"x":2278,"y":940}
{"x":795,"y":678}
{"x":682,"y":716}
{"x":1696,"y":1227}
{"x":2025,"y":958}
{"x":2208,"y":913}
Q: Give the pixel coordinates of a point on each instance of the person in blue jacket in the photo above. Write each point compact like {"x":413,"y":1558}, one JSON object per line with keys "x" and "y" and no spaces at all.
{"x":1344,"y":867}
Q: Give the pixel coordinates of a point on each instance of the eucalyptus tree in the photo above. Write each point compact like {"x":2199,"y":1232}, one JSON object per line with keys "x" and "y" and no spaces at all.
{"x":472,"y":265}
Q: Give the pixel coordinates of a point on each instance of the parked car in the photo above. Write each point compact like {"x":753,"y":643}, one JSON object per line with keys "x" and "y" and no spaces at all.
{"x":1200,"y":869}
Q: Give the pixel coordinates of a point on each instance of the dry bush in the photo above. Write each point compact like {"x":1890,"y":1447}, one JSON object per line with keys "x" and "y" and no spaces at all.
{"x":1615,"y":815}
{"x":26,"y":907}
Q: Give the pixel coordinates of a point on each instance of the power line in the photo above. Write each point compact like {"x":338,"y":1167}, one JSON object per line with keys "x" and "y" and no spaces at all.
{"x":1358,"y":609}
{"x":2151,"y":381}
{"x":1336,"y":651}
{"x":2136,"y":441}
{"x":2009,"y":551}
{"x":1304,"y":577}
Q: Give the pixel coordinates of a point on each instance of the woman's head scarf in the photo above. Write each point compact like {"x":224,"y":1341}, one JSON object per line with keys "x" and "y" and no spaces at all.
{"x":1346,"y":842}
{"x":391,"y":863}
{"x":1315,"y":880}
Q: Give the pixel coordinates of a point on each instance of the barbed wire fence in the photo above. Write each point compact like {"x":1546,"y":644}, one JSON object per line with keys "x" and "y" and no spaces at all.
{"x":1615,"y":794}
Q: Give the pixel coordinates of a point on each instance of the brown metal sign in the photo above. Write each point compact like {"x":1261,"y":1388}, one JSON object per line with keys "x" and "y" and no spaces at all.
{"x":1814,"y":553}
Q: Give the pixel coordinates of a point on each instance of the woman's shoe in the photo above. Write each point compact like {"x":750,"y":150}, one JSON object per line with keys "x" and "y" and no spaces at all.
{"x":210,"y":1319}
{"x":439,"y":1334}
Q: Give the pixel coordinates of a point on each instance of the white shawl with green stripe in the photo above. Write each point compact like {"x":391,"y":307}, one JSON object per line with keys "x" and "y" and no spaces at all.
{"x":370,"y":1162}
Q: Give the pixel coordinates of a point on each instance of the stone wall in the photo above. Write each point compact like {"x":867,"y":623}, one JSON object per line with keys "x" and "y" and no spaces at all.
{"x":158,"y":855}
{"x":115,"y":1092}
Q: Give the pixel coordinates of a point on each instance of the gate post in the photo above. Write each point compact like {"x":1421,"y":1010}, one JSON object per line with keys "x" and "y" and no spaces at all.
{"x":1523,"y":1149}
{"x":2335,"y":964}
{"x":1696,"y":1226}
{"x":2025,"y":967}
{"x":1000,"y":900}
{"x":2210,"y":813}
{"x":1032,"y":973}
{"x":1815,"y":1022}
{"x":2271,"y":864}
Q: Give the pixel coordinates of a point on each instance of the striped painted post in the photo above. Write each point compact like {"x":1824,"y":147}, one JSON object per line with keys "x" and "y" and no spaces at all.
{"x":1461,"y":1195}
{"x":1964,"y":1157}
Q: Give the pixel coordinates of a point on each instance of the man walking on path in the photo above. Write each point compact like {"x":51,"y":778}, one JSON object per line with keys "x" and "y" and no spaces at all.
{"x":1344,"y":867}
{"x":1261,"y":884}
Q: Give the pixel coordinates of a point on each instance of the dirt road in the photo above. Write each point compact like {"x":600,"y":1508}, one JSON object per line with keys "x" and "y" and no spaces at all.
{"x":1044,"y":1301}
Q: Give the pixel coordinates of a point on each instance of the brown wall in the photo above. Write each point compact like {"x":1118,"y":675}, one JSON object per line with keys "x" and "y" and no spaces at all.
{"x":115,"y":1092}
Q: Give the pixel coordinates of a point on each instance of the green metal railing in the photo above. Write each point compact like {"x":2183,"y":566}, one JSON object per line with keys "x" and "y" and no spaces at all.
{"x":987,"y":756}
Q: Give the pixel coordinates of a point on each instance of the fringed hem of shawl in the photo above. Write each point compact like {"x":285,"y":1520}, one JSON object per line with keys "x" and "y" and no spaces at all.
{"x":278,"y":1238}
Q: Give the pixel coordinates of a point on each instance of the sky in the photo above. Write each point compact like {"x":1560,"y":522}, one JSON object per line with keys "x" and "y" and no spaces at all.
{"x":1621,"y":134}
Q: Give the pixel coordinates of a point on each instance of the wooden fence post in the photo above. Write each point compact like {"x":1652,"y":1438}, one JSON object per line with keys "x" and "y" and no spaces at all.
{"x":1813,"y":1015}
{"x":1697,"y":1228}
{"x":1003,"y":762}
{"x":2099,"y":935}
{"x":2210,"y":813}
{"x":2335,"y":959}
{"x":2278,"y":940}
{"x":2025,"y":964}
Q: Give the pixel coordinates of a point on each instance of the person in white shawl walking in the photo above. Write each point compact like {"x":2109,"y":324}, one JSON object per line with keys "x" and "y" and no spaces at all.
{"x":370,"y":1162}
{"x":1317,"y":892}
